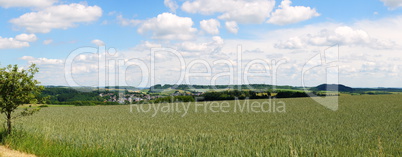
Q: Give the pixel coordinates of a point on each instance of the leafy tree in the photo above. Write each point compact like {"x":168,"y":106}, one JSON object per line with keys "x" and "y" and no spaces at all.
{"x":232,"y":94}
{"x":170,"y":99}
{"x":17,"y":87}
{"x":291,"y":94}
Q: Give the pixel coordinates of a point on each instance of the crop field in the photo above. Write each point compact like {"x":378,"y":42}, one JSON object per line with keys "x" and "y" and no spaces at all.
{"x":363,"y":126}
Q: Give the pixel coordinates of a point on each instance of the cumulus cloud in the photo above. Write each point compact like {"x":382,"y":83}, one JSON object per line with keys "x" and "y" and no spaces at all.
{"x":168,"y":26}
{"x":151,"y":45}
{"x":19,"y":41}
{"x":47,"y":42}
{"x":26,"y":3}
{"x":287,"y":14}
{"x":26,"y":37}
{"x":291,"y":43}
{"x":192,"y":46}
{"x":11,"y":43}
{"x":232,"y":27}
{"x":42,"y":61}
{"x":210,"y":26}
{"x":127,"y":22}
{"x":213,"y":46}
{"x":171,"y":4}
{"x":57,"y":17}
{"x":342,"y":35}
{"x":392,"y":4}
{"x":241,"y":11}
{"x":257,"y":50}
{"x":98,"y":42}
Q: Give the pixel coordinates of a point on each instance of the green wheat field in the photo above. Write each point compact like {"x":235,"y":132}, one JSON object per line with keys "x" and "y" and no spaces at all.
{"x":363,"y":126}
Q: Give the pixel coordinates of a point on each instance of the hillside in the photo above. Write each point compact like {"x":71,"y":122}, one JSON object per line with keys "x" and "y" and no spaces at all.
{"x":333,"y":87}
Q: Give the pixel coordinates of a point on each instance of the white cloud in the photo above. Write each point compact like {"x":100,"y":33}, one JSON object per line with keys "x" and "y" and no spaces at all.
{"x":257,"y":50}
{"x":288,"y":14}
{"x":291,"y":43}
{"x":26,"y":37}
{"x":98,"y":42}
{"x":343,"y":35}
{"x":210,"y":26}
{"x":28,"y":58}
{"x":392,"y":4}
{"x":171,"y":4}
{"x":42,"y":61}
{"x":232,"y":27}
{"x":192,"y":46}
{"x":151,"y":45}
{"x":384,"y":28}
{"x":213,"y":46}
{"x":206,"y":7}
{"x":11,"y":43}
{"x":127,"y":22}
{"x":146,"y":46}
{"x":51,"y":71}
{"x":241,"y":11}
{"x":47,"y":42}
{"x":218,"y":40}
{"x":84,"y":68}
{"x":57,"y":17}
{"x":26,"y":3}
{"x":377,"y":30}
{"x":19,"y":41}
{"x":168,"y":26}
{"x":87,"y":58}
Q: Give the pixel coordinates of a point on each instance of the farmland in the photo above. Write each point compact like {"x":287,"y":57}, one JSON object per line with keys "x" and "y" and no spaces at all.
{"x":366,"y":125}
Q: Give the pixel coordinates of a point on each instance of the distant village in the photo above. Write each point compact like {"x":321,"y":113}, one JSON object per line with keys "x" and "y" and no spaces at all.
{"x":140,"y":96}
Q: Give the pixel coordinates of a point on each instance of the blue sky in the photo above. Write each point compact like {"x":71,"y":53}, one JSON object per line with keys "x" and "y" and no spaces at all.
{"x":46,"y":32}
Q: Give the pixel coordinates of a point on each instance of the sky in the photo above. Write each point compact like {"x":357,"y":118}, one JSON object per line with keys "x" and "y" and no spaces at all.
{"x":141,"y":43}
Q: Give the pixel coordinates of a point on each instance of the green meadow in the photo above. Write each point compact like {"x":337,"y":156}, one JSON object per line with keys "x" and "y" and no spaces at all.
{"x":365,"y":125}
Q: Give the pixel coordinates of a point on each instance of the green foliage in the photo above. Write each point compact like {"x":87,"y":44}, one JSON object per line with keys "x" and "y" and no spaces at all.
{"x":346,"y":89}
{"x":29,"y":112}
{"x":170,"y":99}
{"x":381,"y":90}
{"x":291,"y":94}
{"x":17,"y":87}
{"x":234,"y":94}
{"x":66,"y":94}
{"x":375,"y":92}
{"x":363,"y":126}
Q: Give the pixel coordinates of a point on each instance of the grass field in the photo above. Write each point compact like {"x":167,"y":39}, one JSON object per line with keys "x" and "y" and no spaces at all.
{"x":363,"y":126}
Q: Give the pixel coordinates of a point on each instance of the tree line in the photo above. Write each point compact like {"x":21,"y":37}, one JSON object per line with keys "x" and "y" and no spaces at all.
{"x":245,"y":86}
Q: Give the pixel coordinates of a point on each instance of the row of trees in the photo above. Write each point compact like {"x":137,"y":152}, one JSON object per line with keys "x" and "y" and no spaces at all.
{"x":169,"y":99}
{"x":291,"y":94}
{"x":232,"y":94}
{"x":60,"y":95}
{"x":236,"y":94}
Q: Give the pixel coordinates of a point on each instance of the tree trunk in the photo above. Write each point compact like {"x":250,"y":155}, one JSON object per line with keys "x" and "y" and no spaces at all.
{"x":8,"y":114}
